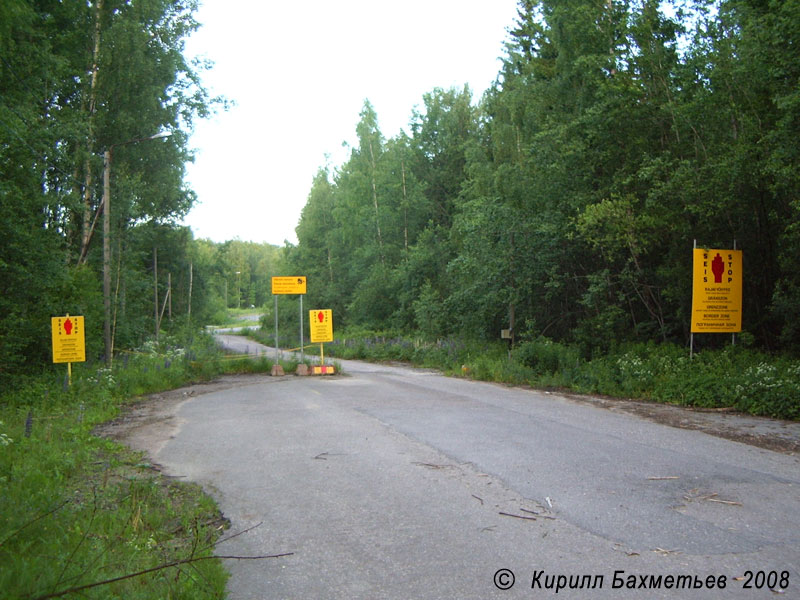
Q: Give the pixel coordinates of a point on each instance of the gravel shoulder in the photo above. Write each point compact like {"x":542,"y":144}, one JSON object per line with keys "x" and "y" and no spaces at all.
{"x":770,"y":434}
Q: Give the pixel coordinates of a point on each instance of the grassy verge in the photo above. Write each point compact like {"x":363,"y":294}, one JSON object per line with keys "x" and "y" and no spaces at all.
{"x":236,"y":317}
{"x":268,"y":339}
{"x":77,"y":510}
{"x":743,"y":379}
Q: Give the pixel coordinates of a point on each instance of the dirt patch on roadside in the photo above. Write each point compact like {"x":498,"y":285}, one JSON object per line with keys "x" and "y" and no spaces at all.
{"x":146,"y":424}
{"x":771,"y":434}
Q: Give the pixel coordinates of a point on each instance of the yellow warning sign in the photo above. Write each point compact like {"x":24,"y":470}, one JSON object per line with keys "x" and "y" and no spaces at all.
{"x":717,"y":291}
{"x":69,"y":344}
{"x":321,"y":324}
{"x":289,"y":285}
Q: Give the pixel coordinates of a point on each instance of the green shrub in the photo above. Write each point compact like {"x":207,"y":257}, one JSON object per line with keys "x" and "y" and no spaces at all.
{"x":735,"y":377}
{"x":76,"y":509}
{"x":544,"y":357}
{"x":770,"y":389}
{"x":91,"y":507}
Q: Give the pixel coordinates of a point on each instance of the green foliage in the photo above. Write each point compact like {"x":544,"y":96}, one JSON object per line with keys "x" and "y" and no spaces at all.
{"x":738,"y":378}
{"x":29,"y":285}
{"x":429,"y":311}
{"x":745,"y":380}
{"x":569,"y":196}
{"x":770,"y":389}
{"x":77,"y":509}
{"x":545,"y":357}
{"x":77,"y":80}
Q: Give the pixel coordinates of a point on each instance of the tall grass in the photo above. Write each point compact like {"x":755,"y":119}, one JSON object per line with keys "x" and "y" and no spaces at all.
{"x":76,"y":509}
{"x":739,"y":378}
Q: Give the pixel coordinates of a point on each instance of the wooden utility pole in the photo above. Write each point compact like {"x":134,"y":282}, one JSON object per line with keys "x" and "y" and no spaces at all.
{"x":107,"y":255}
{"x":163,"y":307}
{"x":155,"y":288}
{"x":169,"y":293}
{"x":189,"y":312}
{"x":511,"y":313}
{"x":405,"y":206}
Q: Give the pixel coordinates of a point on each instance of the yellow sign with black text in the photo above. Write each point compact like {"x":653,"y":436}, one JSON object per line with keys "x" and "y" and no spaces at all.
{"x":289,"y":285}
{"x":69,"y":343}
{"x":717,"y":291}
{"x":321,"y":325}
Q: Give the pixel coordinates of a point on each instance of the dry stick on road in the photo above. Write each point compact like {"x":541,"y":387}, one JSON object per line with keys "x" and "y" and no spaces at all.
{"x":533,"y":512}
{"x":505,"y":514}
{"x":730,"y":502}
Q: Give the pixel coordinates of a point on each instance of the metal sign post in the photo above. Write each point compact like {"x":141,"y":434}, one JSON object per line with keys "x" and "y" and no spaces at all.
{"x":69,"y":344}
{"x":277,"y":345}
{"x":320,"y":323}
{"x":302,"y":350}
{"x":691,"y":335}
{"x":289,"y":286}
{"x":716,"y":292}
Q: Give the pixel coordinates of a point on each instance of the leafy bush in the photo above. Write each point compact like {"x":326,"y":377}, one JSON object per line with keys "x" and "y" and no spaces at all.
{"x":78,"y":510}
{"x":771,"y":389}
{"x":737,"y":377}
{"x":545,"y":357}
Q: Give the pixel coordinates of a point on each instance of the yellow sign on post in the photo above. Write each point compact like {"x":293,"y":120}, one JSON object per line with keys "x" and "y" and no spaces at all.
{"x":69,"y":344}
{"x":289,"y":285}
{"x":321,"y":324}
{"x":717,"y":291}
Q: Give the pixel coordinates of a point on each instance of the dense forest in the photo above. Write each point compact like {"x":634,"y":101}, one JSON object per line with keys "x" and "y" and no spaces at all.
{"x":79,"y":82}
{"x":566,"y":199}
{"x":564,"y":202}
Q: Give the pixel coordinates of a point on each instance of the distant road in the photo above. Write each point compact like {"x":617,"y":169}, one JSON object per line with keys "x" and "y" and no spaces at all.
{"x":393,"y":482}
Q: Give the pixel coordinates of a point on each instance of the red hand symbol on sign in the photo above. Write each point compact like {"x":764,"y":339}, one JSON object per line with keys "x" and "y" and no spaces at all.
{"x":321,"y":316}
{"x":68,"y":326}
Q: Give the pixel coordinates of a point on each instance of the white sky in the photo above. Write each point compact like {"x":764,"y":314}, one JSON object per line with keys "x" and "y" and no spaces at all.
{"x":299,"y":72}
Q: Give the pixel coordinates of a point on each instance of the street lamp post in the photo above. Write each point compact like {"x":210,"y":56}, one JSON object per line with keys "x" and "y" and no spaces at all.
{"x":107,"y":238}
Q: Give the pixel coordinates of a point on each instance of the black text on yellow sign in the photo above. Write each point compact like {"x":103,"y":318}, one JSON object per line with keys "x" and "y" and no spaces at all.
{"x":289,"y":285}
{"x":69,"y":344}
{"x":321,"y":324}
{"x":717,"y":291}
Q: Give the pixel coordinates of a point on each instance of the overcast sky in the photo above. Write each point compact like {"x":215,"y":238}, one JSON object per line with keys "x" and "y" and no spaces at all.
{"x":299,"y":73}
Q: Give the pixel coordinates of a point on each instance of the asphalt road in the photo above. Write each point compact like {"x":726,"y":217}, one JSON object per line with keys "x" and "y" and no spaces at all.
{"x":394,"y":482}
